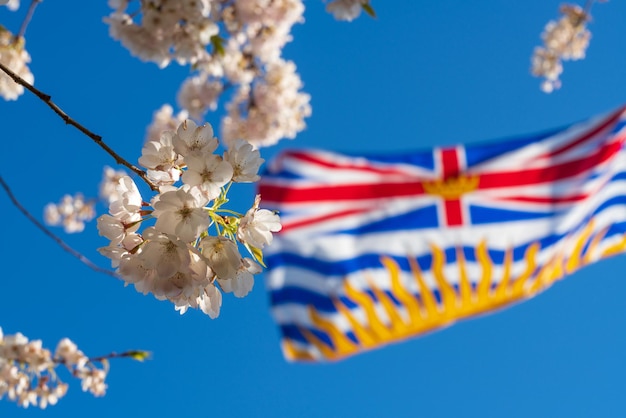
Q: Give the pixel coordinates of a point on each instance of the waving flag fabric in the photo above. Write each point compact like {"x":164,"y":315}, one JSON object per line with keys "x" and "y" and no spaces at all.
{"x":377,"y":249}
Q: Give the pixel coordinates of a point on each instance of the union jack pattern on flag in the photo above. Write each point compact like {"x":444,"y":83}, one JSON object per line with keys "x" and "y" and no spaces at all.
{"x":378,"y":249}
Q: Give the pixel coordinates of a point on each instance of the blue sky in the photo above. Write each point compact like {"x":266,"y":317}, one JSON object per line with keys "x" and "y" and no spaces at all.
{"x":421,"y":74}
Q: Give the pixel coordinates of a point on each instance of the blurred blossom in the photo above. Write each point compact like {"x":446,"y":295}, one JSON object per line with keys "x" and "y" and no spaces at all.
{"x":14,"y":56}
{"x":565,"y":39}
{"x":28,"y":376}
{"x":71,"y":212}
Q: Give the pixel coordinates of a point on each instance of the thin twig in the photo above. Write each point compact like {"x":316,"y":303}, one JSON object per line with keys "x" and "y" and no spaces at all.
{"x":49,"y":233}
{"x":47,"y":99}
{"x":139,"y":355}
{"x":27,"y":18}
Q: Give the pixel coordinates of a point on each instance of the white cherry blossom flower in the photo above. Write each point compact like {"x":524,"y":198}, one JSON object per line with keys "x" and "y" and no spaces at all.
{"x":222,"y":256}
{"x":191,"y":139}
{"x":164,"y":253}
{"x":242,"y":283}
{"x":187,"y":284}
{"x":161,"y":159}
{"x":181,"y":213}
{"x":128,"y":204}
{"x":133,"y":270}
{"x":114,"y":253}
{"x":14,"y":56}
{"x":160,"y":155}
{"x":210,"y":301}
{"x":115,"y":229}
{"x":111,"y":228}
{"x":245,"y":160}
{"x":208,"y":173}
{"x":256,"y":227}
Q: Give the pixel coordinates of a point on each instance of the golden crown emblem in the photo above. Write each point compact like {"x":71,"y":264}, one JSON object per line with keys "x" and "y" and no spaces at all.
{"x":451,"y":188}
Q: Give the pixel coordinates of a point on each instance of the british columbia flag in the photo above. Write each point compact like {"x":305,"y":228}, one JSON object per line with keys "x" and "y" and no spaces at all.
{"x":376,"y":249}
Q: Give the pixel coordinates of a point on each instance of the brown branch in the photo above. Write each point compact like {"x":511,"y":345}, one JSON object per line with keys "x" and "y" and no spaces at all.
{"x":47,"y":99}
{"x":49,"y":233}
{"x":27,"y":18}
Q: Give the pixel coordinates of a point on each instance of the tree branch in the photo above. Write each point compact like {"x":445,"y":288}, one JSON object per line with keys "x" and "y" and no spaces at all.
{"x":49,"y":233}
{"x":139,"y":355}
{"x":47,"y":99}
{"x":27,"y":18}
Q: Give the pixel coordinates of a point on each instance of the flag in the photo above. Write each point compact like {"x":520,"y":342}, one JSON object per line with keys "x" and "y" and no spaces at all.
{"x":380,"y":248}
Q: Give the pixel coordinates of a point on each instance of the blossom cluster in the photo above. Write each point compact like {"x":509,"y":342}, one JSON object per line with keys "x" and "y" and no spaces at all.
{"x":234,"y":44}
{"x":176,"y":258}
{"x":71,"y":212}
{"x":565,"y":39}
{"x":27,"y":371}
{"x":14,"y":56}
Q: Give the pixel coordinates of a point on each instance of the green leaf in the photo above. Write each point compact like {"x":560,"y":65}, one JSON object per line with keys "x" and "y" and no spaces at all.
{"x":218,"y":45}
{"x":138,"y":355}
{"x":257,"y":254}
{"x":369,"y":9}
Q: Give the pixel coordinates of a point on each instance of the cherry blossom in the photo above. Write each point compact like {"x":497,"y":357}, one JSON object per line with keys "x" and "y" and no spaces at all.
{"x":242,"y":283}
{"x":210,"y":301}
{"x":176,"y":257}
{"x":161,"y":159}
{"x":28,"y":375}
{"x":127,"y":201}
{"x":565,"y":39}
{"x":245,"y":161}
{"x":181,"y":213}
{"x":14,"y":56}
{"x":208,"y":173}
{"x":193,"y":139}
{"x":72,"y":212}
{"x":222,"y":256}
{"x":256,"y":227}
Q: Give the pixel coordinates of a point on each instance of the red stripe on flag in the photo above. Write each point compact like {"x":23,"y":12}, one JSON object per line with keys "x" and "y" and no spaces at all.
{"x":287,"y":226}
{"x":453,"y":212}
{"x":612,"y":120}
{"x":450,"y":162}
{"x":291,"y":194}
{"x":543,"y":200}
{"x":550,"y":174}
{"x":306,"y":157}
